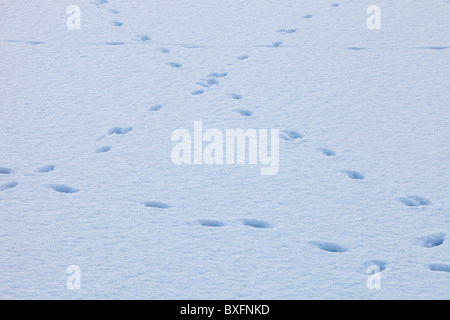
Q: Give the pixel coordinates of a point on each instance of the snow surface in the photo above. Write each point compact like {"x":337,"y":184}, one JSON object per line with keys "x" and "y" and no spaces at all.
{"x":86,"y":176}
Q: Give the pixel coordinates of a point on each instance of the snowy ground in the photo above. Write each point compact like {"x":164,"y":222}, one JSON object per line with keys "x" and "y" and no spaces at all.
{"x":75,"y":189}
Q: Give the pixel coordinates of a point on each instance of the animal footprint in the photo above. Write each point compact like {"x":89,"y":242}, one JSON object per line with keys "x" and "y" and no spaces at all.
{"x":243,"y":57}
{"x":335,"y":5}
{"x":119,"y":130}
{"x":156,"y":204}
{"x":163,"y":50}
{"x":437,"y":48}
{"x":6,"y":170}
{"x":328,"y":246}
{"x":8,"y":185}
{"x":210,"y":223}
{"x":356,"y":48}
{"x":256,"y":223}
{"x":197,"y":92}
{"x":144,"y":38}
{"x":307,"y":16}
{"x":116,"y":23}
{"x":354,"y":175}
{"x":287,"y":30}
{"x":276,"y":44}
{"x":432,"y":240}
{"x":62,"y":188}
{"x":174,"y":64}
{"x":218,"y":74}
{"x":244,"y":113}
{"x":235,"y":96}
{"x":290,"y":135}
{"x":440,"y":267}
{"x":103,"y":149}
{"x":327,"y":152}
{"x":155,"y":107}
{"x":115,"y":43}
{"x":379,"y":263}
{"x":415,"y":201}
{"x":47,"y":168}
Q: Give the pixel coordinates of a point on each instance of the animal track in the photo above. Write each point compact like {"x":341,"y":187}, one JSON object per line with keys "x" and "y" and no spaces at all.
{"x":116,"y":23}
{"x":212,"y":81}
{"x":144,"y":38}
{"x":115,"y":43}
{"x":33,"y":43}
{"x":290,"y":135}
{"x":174,"y":64}
{"x":155,"y":107}
{"x":328,"y":246}
{"x":440,"y":267}
{"x":335,"y":5}
{"x":218,"y":74}
{"x":244,"y":113}
{"x":8,"y":185}
{"x":99,"y":2}
{"x":4,"y":170}
{"x":327,"y":152}
{"x":103,"y":149}
{"x":256,"y":223}
{"x":119,"y":130}
{"x":156,"y":204}
{"x":47,"y":168}
{"x":307,"y":16}
{"x":115,"y":11}
{"x":243,"y":57}
{"x":62,"y":188}
{"x":211,"y":223}
{"x":235,"y":96}
{"x":197,"y":92}
{"x":432,"y":240}
{"x":287,"y":30}
{"x":354,"y":175}
{"x":276,"y":44}
{"x":415,"y":201}
{"x":163,"y":50}
{"x":379,"y":263}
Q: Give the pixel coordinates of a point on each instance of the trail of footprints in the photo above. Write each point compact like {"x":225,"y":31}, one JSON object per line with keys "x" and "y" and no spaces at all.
{"x":211,"y":80}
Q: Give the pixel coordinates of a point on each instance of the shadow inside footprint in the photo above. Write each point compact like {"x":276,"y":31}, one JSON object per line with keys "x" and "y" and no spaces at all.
{"x":327,"y":152}
{"x":116,"y":23}
{"x":8,"y":185}
{"x":155,"y":107}
{"x":290,"y":135}
{"x":156,"y":204}
{"x":197,"y":92}
{"x":256,"y":223}
{"x":174,"y":64}
{"x":244,"y":113}
{"x":328,"y":246}
{"x":432,"y":240}
{"x":62,"y":188}
{"x":210,"y":223}
{"x":381,"y":264}
{"x":217,"y":74}
{"x":46,"y":168}
{"x":415,"y":201}
{"x":440,"y":267}
{"x":355,"y":175}
{"x":4,"y":170}
{"x":119,"y":130}
{"x":103,"y":149}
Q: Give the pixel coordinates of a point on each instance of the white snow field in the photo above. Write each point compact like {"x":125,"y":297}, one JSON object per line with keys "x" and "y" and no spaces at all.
{"x":87,"y":178}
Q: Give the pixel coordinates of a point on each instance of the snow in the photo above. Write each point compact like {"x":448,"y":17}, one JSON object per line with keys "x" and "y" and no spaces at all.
{"x":86,"y":176}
